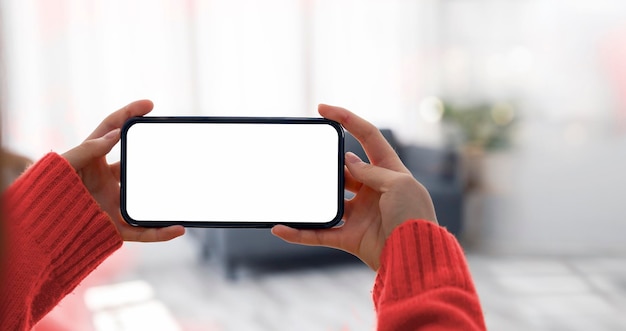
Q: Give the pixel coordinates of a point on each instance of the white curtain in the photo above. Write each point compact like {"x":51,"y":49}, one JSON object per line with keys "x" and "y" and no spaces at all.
{"x":69,"y":63}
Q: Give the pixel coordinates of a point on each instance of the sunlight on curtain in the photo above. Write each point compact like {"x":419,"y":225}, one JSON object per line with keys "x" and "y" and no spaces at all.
{"x":250,"y":58}
{"x":378,"y":58}
{"x":358,"y":55}
{"x":72,"y":62}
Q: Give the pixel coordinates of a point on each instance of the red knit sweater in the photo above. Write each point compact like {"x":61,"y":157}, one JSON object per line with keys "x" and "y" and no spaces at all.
{"x":58,"y":234}
{"x":424,"y":283}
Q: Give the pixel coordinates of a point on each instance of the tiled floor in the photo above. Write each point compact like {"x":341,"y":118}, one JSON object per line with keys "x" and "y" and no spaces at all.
{"x":517,"y":293}
{"x":543,"y":293}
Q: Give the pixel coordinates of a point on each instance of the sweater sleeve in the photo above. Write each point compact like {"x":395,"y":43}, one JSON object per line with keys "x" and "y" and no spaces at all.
{"x":57,"y":235}
{"x":424,"y":282}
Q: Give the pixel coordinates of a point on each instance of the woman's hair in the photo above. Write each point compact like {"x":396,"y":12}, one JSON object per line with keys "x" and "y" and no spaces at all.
{"x":3,"y":239}
{"x":11,"y":166}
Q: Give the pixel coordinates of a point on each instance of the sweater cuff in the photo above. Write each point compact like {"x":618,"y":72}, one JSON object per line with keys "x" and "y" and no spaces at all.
{"x":51,"y":203}
{"x":418,"y":256}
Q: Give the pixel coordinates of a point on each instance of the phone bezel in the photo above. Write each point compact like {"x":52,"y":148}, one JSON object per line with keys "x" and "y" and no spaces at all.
{"x":232,"y":120}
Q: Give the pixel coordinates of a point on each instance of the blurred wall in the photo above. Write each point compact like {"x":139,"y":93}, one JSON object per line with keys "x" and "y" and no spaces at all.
{"x":561,"y":187}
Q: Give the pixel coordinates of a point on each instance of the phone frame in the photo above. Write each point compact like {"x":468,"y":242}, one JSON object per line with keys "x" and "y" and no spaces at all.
{"x":232,"y":120}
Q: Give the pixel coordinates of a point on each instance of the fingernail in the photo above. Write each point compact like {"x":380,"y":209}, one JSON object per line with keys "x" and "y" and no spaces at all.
{"x":352,"y":158}
{"x":112,"y":134}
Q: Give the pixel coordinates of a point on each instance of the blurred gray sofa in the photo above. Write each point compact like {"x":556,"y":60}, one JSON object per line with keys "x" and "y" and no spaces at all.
{"x":437,"y":169}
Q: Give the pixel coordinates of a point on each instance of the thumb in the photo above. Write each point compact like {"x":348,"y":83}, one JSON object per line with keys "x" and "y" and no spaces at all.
{"x":310,"y":237}
{"x":91,"y":149}
{"x":370,"y":175}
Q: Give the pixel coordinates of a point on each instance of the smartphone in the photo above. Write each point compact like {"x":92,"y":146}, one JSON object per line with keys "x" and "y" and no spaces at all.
{"x":232,"y":172}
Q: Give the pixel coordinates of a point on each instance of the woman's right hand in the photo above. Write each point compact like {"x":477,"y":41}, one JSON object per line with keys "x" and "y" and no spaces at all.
{"x":386,"y":195}
{"x":102,"y":179}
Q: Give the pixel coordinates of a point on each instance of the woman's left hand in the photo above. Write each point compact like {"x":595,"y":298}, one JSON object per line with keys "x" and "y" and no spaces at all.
{"x":103,"y":179}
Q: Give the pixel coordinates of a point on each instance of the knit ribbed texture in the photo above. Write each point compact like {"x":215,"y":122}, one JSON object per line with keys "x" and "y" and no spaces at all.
{"x":57,"y":235}
{"x":424,"y":282}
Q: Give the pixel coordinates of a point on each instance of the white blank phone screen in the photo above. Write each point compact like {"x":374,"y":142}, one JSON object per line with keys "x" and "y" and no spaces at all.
{"x":213,"y":172}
